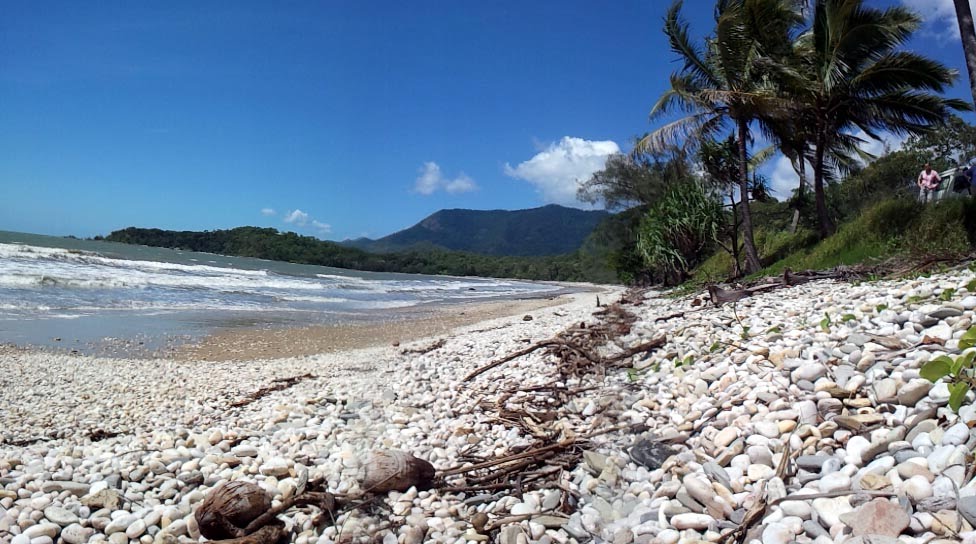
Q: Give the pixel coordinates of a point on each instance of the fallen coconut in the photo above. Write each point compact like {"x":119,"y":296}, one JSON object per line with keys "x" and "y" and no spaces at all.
{"x":395,"y":470}
{"x":229,"y":508}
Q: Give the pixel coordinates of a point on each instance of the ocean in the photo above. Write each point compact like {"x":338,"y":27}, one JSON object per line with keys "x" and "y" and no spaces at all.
{"x":82,"y":294}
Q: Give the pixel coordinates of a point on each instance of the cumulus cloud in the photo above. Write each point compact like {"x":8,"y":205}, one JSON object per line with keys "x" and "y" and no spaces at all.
{"x":940,"y":16}
{"x":323,"y":228}
{"x":431,"y":180}
{"x":304,"y":220}
{"x":267,"y":212}
{"x":296,"y":217}
{"x":557,"y":171}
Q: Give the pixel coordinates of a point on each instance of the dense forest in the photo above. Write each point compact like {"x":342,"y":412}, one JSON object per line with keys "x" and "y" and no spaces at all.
{"x":268,"y":243}
{"x":549,"y":230}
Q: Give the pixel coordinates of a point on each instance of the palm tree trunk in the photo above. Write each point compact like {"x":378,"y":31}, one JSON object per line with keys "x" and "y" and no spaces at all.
{"x":823,"y":218}
{"x":800,"y":165}
{"x":964,"y":15}
{"x":736,"y":267}
{"x":752,"y":258}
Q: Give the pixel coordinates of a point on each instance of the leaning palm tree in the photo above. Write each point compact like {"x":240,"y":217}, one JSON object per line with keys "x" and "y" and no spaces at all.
{"x":853,"y":77}
{"x":723,"y":83}
{"x":964,"y":15}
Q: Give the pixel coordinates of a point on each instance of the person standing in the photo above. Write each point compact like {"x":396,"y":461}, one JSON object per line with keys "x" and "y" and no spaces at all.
{"x":928,"y":183}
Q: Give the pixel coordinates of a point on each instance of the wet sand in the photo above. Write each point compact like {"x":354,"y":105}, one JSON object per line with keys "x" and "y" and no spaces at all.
{"x":274,"y":343}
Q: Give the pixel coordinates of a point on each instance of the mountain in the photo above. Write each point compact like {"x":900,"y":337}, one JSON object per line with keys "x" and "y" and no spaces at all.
{"x":549,"y":230}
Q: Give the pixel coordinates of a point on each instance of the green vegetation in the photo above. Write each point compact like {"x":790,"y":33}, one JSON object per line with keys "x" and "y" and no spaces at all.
{"x":267,"y":243}
{"x":959,"y":369}
{"x":549,"y":230}
{"x":817,"y":79}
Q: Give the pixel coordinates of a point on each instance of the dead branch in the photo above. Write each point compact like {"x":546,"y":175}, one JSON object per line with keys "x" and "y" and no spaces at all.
{"x":277,"y":385}
{"x":563,"y":444}
{"x":426,"y":349}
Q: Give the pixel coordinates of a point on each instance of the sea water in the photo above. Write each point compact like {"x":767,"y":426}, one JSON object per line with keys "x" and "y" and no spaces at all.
{"x":65,"y":291}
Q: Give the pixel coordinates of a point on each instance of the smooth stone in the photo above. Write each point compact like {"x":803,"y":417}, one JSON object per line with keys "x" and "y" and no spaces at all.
{"x":955,"y":435}
{"x":944,"y":312}
{"x":835,"y":481}
{"x":768,"y":429}
{"x":776,"y":533}
{"x":725,"y":437}
{"x":49,"y":530}
{"x":886,"y":391}
{"x":75,"y":488}
{"x":276,"y":466}
{"x":717,"y":473}
{"x":914,"y":391}
{"x":879,"y":517}
{"x":812,"y":462}
{"x":60,"y":516}
{"x":76,"y":534}
{"x":136,"y":529}
{"x":909,"y":469}
{"x":917,"y":488}
{"x":829,"y":510}
{"x":692,"y":521}
{"x":809,"y":372}
{"x":967,"y":507}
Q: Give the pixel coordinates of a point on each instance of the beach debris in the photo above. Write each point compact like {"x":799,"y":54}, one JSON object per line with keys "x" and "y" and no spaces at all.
{"x":276,"y":385}
{"x":241,"y":512}
{"x":230,"y":507}
{"x":424,"y":349}
{"x":650,"y":453}
{"x":265,"y":535}
{"x":396,"y":470}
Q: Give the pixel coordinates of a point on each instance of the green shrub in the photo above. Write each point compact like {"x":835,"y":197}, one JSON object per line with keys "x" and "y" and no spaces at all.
{"x":674,"y":235}
{"x":942,"y":228}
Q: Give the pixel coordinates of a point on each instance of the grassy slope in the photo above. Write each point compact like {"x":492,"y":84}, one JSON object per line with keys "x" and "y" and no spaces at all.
{"x":888,"y":229}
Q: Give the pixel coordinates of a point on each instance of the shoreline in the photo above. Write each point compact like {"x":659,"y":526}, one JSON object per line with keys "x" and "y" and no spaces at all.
{"x":300,"y":341}
{"x":824,"y":423}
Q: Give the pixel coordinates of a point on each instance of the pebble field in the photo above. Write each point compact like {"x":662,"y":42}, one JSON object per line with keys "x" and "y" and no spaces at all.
{"x":796,"y":415}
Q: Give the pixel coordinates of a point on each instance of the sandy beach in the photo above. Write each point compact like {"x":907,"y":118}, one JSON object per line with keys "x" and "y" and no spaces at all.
{"x":761,"y":422}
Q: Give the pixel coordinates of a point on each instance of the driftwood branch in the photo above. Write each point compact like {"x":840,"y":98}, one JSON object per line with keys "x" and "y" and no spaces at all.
{"x":276,"y":385}
{"x":721,"y":296}
{"x":563,"y":444}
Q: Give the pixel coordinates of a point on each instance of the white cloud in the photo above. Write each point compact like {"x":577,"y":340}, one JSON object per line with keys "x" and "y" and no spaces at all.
{"x":431,"y":179}
{"x":267,"y":211}
{"x":783,"y":180}
{"x":297,"y":217}
{"x":302,"y":219}
{"x":557,"y":171}
{"x":323,"y":228}
{"x":940,"y":16}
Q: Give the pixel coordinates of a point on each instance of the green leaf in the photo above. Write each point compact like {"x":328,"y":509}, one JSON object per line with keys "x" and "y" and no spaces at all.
{"x":968,"y":340}
{"x":967,"y":359}
{"x":957,"y":394}
{"x":971,"y":286}
{"x":848,"y":317}
{"x":881,"y":307}
{"x":936,"y":369}
{"x":956,"y":366}
{"x":775,"y":329}
{"x":715,"y":347}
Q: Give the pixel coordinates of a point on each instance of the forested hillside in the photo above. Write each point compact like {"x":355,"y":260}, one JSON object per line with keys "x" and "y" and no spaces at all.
{"x":549,"y":230}
{"x":268,"y":243}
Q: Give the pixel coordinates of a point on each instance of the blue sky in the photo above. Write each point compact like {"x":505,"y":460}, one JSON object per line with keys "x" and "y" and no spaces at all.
{"x":333,"y":119}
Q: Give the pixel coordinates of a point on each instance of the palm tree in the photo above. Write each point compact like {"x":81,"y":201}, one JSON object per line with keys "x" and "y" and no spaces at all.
{"x":852,"y":77}
{"x":723,"y":83}
{"x":964,"y":14}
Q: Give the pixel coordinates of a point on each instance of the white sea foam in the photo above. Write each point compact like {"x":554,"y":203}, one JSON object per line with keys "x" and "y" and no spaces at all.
{"x":39,"y":281}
